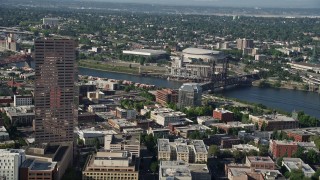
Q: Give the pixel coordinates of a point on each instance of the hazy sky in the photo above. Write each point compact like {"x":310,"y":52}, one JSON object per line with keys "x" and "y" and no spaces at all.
{"x":234,"y":3}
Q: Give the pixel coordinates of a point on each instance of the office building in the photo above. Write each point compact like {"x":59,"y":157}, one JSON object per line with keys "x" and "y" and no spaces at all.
{"x":61,"y":153}
{"x":282,"y":148}
{"x":22,"y":100}
{"x":244,"y":43}
{"x":10,"y":161}
{"x":167,"y":96}
{"x":120,"y":165}
{"x":55,"y":90}
{"x":32,"y":169}
{"x":9,"y":43}
{"x":89,"y":136}
{"x":124,"y":142}
{"x":190,"y":95}
{"x":223,"y":115}
{"x":50,"y":21}
{"x":21,"y":115}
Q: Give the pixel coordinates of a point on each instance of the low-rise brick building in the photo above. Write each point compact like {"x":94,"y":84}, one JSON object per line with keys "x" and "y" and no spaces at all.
{"x":283,"y":148}
{"x":223,"y":115}
{"x":274,"y":122}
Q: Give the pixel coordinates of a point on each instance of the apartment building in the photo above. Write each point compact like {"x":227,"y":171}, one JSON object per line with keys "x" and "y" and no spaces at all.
{"x":167,"y":96}
{"x":193,"y":151}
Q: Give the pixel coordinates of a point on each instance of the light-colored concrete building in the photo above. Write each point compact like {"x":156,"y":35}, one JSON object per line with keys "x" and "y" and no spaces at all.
{"x":89,"y":136}
{"x":10,"y":161}
{"x":190,"y":95}
{"x":120,"y":165}
{"x":193,"y":151}
{"x":22,"y":115}
{"x":180,"y":170}
{"x":95,"y":96}
{"x":295,"y":164}
{"x":50,"y":21}
{"x":124,"y":142}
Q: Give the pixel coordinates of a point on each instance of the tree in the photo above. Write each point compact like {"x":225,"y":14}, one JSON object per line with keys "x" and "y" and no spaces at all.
{"x":154,"y":166}
{"x":263,"y":150}
{"x":316,"y":175}
{"x":96,"y":143}
{"x":312,"y":157}
{"x":214,"y":150}
{"x":296,"y":174}
{"x":279,"y":161}
{"x":263,"y":126}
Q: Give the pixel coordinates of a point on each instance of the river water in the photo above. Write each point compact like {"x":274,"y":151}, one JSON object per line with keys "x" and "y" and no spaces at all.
{"x":286,"y":100}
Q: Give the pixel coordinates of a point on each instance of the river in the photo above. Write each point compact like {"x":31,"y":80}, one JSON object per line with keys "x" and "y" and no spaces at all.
{"x":286,"y":100}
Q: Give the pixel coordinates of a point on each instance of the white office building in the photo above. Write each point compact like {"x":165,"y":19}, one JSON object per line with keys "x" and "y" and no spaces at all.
{"x":10,"y":161}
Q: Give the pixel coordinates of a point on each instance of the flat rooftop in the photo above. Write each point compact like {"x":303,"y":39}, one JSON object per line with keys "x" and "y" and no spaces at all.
{"x":174,"y":169}
{"x":182,"y":148}
{"x":124,"y":139}
{"x":146,"y":52}
{"x":123,"y":122}
{"x":163,"y":145}
{"x":260,"y":159}
{"x":297,"y":163}
{"x":39,"y":165}
{"x":199,"y":146}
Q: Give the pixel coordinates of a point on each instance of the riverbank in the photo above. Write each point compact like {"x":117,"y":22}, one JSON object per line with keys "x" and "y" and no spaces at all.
{"x":126,"y":69}
{"x":123,"y":67}
{"x":281,"y":85}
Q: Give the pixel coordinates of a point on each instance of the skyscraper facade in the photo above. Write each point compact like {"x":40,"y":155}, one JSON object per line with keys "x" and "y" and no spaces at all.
{"x":190,"y":95}
{"x":55,"y":90}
